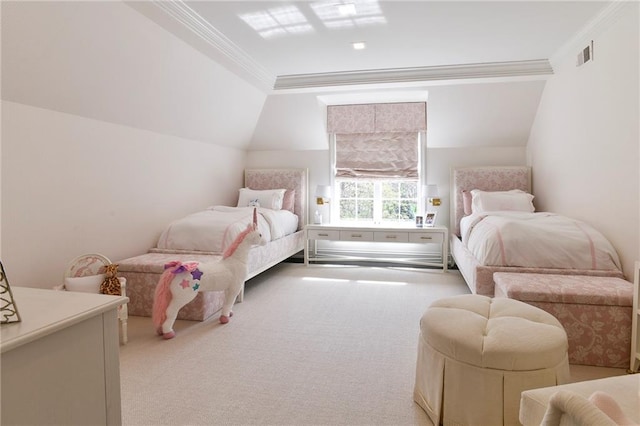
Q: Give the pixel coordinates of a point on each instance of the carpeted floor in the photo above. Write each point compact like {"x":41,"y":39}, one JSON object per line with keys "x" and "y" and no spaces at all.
{"x":318,"y":345}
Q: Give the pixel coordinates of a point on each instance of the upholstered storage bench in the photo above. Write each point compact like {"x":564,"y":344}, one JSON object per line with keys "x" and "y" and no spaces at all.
{"x":594,"y":311}
{"x":477,"y":354}
{"x":142,"y":274}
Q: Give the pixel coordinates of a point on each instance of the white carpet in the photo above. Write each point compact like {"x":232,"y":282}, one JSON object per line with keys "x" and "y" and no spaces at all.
{"x":318,"y":345}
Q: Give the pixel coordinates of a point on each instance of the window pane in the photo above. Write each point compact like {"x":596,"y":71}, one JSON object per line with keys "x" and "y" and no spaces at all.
{"x":408,"y":209}
{"x":348,"y":189}
{"x":389,"y":210}
{"x":389,"y":190}
{"x":347,"y":209}
{"x":408,"y":190}
{"x":365,"y":189}
{"x":365,"y":210}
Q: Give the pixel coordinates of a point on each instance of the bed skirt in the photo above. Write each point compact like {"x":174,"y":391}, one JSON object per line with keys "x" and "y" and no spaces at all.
{"x":143,"y":272}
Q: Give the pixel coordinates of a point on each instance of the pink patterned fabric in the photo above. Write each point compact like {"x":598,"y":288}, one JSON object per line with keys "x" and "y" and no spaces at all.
{"x":401,"y":117}
{"x":485,"y":179}
{"x":595,"y":311}
{"x":351,"y":118}
{"x":374,"y":118}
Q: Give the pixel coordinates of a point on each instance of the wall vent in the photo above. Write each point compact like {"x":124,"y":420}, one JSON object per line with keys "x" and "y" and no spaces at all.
{"x":585,"y":55}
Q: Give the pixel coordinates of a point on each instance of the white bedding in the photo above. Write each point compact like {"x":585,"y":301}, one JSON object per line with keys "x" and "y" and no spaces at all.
{"x":544,"y":240}
{"x":214,"y":229}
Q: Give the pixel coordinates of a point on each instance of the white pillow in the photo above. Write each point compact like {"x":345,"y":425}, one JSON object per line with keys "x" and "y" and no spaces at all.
{"x":489,"y":201}
{"x":267,"y":198}
{"x":88,"y":284}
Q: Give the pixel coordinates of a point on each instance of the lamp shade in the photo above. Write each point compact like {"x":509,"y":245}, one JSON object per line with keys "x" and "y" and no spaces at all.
{"x":323,"y":191}
{"x":431,"y":191}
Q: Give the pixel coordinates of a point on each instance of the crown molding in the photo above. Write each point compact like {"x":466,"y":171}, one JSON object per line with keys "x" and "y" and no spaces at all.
{"x":200,"y":27}
{"x":404,"y":75}
{"x":602,"y":21}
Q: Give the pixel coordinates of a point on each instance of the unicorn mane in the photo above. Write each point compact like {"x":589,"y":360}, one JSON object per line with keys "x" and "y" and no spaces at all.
{"x":236,"y":243}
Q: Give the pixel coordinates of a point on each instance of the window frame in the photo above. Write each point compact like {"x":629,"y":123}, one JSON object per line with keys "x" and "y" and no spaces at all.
{"x":421,"y":182}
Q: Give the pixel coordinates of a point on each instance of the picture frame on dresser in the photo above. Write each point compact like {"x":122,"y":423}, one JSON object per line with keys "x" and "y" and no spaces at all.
{"x":430,"y":219}
{"x":8,"y":309}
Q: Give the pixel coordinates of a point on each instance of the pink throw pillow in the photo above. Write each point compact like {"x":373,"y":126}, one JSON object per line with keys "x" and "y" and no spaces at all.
{"x":288,"y":202}
{"x":466,"y":202}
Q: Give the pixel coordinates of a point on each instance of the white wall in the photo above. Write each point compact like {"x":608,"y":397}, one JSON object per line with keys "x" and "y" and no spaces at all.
{"x":584,"y":144}
{"x":111,"y":128}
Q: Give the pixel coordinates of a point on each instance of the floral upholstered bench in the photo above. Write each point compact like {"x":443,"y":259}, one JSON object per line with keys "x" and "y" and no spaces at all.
{"x":594,"y":311}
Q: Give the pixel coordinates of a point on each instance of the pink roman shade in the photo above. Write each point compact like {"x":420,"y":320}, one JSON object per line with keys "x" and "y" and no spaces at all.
{"x":376,"y":118}
{"x":377,"y":155}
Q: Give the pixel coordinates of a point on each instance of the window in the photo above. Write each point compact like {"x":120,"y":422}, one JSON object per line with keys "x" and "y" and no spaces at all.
{"x":377,"y":201}
{"x":377,"y":152}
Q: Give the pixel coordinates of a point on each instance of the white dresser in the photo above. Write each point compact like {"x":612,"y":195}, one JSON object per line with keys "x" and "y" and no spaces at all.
{"x":60,"y":364}
{"x":437,"y":235}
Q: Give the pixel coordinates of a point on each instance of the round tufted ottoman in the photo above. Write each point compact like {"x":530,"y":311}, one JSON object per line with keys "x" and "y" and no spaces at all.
{"x":477,"y":354}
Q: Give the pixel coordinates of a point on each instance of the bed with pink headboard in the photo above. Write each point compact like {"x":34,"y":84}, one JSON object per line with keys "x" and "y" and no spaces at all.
{"x":143,"y":272}
{"x":479,"y":276}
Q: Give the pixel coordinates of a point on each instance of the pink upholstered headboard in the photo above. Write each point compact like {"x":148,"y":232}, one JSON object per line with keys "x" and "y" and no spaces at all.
{"x":296,"y":179}
{"x":498,"y":178}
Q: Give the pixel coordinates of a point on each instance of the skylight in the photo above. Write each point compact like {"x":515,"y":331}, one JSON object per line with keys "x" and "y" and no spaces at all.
{"x":349,"y":13}
{"x":278,"y":21}
{"x":336,"y":14}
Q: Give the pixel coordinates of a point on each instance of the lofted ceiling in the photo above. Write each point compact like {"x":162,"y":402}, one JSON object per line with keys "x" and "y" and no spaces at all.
{"x":289,"y":44}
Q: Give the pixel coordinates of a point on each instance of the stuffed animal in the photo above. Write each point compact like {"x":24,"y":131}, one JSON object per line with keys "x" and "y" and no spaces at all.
{"x":111,"y":284}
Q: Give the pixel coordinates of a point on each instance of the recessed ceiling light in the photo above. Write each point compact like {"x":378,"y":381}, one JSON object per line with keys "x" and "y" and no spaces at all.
{"x":347,"y":9}
{"x":358,"y":45}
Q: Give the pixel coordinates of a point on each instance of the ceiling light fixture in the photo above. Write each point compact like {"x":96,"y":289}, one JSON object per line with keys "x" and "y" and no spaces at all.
{"x":358,"y":45}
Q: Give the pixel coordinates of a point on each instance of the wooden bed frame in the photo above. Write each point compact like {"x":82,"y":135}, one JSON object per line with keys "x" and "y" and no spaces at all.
{"x":479,"y":278}
{"x":143,"y":272}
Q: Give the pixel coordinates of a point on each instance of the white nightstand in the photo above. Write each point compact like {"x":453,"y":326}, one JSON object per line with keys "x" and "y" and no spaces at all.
{"x":377,"y":234}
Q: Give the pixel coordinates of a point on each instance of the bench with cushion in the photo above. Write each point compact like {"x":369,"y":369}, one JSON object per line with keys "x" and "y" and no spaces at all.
{"x":594,"y":311}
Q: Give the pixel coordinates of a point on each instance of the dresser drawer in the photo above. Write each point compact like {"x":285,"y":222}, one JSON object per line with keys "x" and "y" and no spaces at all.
{"x":425,"y":237}
{"x":391,"y":237}
{"x":320,"y":234}
{"x":354,"y":235}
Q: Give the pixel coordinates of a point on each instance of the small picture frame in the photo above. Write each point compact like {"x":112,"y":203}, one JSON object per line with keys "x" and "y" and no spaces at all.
{"x":430,"y":219}
{"x":419,"y":221}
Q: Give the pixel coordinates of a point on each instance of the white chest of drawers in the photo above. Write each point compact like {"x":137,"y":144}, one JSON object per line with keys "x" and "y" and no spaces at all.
{"x":429,"y":235}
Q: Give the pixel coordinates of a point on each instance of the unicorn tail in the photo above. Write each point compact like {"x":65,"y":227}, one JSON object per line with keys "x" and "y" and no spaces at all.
{"x":161,"y":299}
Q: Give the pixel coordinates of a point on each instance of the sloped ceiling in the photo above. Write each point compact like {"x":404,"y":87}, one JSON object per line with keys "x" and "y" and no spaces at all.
{"x":480,"y":65}
{"x":197,"y":70}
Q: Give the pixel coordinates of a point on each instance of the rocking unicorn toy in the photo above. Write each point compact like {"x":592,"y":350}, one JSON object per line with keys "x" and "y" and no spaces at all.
{"x":180,"y":282}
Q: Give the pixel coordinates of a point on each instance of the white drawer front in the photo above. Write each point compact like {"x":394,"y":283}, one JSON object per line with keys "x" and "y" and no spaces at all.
{"x":356,"y":235}
{"x":391,"y":237}
{"x":425,"y":237}
{"x":318,"y":234}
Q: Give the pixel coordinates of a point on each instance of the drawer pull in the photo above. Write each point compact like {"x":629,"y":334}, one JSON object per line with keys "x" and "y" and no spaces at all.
{"x":323,"y":235}
{"x":426,"y":238}
{"x":356,"y":235}
{"x":391,"y":236}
